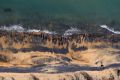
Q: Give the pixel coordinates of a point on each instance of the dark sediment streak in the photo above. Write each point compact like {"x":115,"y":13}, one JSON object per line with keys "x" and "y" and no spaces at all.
{"x":38,"y":41}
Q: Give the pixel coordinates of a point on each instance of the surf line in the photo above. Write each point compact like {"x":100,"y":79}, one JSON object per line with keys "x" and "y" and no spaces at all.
{"x":109,"y":29}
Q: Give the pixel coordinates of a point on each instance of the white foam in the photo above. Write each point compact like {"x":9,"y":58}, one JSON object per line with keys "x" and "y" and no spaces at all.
{"x":49,"y":32}
{"x":17,"y":28}
{"x":33,"y":30}
{"x":109,"y":29}
{"x":71,"y":31}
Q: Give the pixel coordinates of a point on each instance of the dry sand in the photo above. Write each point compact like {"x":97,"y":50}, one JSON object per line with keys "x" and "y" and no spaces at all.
{"x":51,"y":66}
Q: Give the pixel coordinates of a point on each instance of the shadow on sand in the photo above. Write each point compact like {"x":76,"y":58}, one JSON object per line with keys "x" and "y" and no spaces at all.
{"x":58,"y":69}
{"x":45,"y":49}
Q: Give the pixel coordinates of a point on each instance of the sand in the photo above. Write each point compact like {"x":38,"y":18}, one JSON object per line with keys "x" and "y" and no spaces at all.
{"x":51,"y":66}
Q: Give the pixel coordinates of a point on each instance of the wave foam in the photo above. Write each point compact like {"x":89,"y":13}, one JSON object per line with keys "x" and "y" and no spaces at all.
{"x":71,"y":31}
{"x":109,"y":29}
{"x":33,"y":30}
{"x":17,"y":28}
{"x":49,"y":32}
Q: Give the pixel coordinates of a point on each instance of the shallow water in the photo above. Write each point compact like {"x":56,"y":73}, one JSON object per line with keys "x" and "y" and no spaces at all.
{"x":67,"y":11}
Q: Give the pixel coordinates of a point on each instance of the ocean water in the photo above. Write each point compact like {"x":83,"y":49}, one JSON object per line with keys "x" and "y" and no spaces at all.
{"x":41,"y":12}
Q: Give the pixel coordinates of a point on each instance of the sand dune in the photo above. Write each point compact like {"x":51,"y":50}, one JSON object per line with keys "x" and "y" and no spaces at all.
{"x":40,"y":56}
{"x":41,"y":65}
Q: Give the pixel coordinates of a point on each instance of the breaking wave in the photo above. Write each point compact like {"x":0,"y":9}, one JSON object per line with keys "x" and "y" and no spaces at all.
{"x":33,"y":30}
{"x":71,"y":31}
{"x":19,"y":28}
{"x":110,"y":29}
{"x":49,"y":32}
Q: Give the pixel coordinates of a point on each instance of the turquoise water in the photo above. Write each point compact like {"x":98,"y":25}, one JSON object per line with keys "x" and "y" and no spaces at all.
{"x":35,"y":11}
